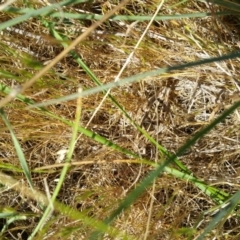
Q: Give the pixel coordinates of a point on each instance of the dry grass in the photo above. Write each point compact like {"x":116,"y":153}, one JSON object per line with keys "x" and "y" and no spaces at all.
{"x":171,"y":107}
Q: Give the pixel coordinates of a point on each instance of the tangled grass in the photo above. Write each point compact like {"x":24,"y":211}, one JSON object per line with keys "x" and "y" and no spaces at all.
{"x":119,"y":122}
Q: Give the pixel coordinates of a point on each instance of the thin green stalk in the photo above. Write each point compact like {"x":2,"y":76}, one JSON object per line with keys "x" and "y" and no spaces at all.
{"x":29,"y":13}
{"x":221,"y":215}
{"x":89,"y":16}
{"x":64,"y":170}
{"x":18,"y":148}
{"x":136,"y":78}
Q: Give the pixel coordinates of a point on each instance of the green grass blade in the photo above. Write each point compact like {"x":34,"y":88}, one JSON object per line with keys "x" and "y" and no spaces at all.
{"x":215,"y":194}
{"x":234,"y":6}
{"x":10,"y":167}
{"x":64,"y":170}
{"x":136,"y":78}
{"x":136,"y":18}
{"x":35,"y":13}
{"x":19,"y":151}
{"x":89,"y":16}
{"x":222,"y":214}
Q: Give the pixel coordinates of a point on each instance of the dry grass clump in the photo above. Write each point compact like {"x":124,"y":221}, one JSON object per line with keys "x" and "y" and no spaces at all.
{"x":171,"y":107}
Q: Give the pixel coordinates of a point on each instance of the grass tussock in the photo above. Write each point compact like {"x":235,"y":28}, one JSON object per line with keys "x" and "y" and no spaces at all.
{"x":136,"y":128}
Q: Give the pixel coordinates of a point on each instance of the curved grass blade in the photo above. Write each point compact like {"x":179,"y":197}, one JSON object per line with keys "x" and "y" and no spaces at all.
{"x":234,"y":6}
{"x":222,"y":214}
{"x":82,"y":16}
{"x":35,"y":13}
{"x":18,"y":148}
{"x":138,"y":18}
{"x":10,"y":167}
{"x":65,"y":168}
